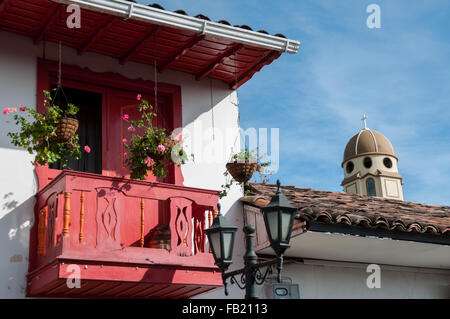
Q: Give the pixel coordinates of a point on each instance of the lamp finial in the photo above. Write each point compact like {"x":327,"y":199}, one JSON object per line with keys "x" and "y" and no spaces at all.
{"x":278,"y":185}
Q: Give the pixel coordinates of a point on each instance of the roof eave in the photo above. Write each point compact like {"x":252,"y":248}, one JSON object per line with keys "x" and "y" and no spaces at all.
{"x":141,"y":12}
{"x":378,"y":233}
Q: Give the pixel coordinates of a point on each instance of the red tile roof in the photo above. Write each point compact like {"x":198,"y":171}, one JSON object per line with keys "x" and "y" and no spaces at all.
{"x":205,"y":17}
{"x":357,"y":210}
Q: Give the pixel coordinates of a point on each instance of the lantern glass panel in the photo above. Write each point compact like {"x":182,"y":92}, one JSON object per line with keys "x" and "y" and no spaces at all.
{"x":272,"y":220}
{"x":214,"y":242}
{"x":285,"y":223}
{"x":227,"y":245}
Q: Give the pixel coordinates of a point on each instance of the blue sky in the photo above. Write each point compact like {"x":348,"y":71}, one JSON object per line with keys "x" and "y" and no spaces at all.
{"x":398,"y":75}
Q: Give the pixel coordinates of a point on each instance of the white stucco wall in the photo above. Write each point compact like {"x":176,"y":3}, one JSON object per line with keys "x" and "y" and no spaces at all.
{"x":336,"y":280}
{"x":342,"y":280}
{"x":18,"y":63}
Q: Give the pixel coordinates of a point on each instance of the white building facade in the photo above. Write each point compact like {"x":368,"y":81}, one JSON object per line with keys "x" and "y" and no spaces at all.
{"x":209,"y":105}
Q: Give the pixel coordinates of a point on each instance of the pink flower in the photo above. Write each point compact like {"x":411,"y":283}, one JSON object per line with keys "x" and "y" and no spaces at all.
{"x":138,"y":97}
{"x":124,"y":140}
{"x":7,"y":110}
{"x":125,"y":154}
{"x":161,"y":148}
{"x":131,"y":129}
{"x":178,"y":138}
{"x":125,"y":117}
{"x":148,"y":161}
{"x":22,"y":108}
{"x":87,"y":149}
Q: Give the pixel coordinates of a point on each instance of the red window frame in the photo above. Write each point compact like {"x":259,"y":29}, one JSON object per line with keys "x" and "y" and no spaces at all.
{"x":85,"y":79}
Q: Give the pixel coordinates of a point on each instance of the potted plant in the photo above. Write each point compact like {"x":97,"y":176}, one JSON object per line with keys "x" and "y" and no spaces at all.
{"x":242,"y":167}
{"x":151,"y":148}
{"x":51,"y":135}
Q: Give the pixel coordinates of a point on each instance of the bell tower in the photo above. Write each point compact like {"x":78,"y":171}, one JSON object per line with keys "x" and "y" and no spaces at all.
{"x":371,"y":165}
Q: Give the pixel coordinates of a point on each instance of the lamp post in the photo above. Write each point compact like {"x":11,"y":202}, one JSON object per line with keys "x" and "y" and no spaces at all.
{"x":279,"y":217}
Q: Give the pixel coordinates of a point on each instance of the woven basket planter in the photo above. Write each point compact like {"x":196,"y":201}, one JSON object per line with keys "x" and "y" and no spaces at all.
{"x":66,"y":128}
{"x":168,"y":144}
{"x":242,"y":171}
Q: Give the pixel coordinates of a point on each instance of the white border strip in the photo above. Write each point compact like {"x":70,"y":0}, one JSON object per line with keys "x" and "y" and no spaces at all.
{"x":179,"y":21}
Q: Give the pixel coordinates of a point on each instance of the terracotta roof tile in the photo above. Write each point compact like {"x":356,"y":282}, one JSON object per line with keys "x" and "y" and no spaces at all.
{"x":358,"y":210}
{"x":204,"y":17}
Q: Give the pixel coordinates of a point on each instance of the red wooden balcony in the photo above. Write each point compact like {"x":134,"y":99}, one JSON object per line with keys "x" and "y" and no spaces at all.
{"x":125,"y":239}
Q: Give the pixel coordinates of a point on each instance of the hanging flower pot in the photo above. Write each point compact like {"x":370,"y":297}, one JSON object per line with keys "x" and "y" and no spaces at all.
{"x":156,"y":155}
{"x":38,"y":132}
{"x":163,"y":151}
{"x":169,"y":143}
{"x":151,"y":149}
{"x":241,"y":167}
{"x":242,"y":171}
{"x":66,"y":129}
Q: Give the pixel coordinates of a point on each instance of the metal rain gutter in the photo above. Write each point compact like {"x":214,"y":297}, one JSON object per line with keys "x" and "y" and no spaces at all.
{"x":130,"y":10}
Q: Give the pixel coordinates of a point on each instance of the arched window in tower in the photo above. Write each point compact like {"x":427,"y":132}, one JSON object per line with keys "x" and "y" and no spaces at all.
{"x":370,"y":183}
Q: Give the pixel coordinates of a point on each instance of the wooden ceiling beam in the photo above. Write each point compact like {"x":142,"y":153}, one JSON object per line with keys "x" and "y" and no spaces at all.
{"x":139,"y":45}
{"x":3,"y":6}
{"x":181,"y":52}
{"x":49,"y":20}
{"x":152,"y":288}
{"x":95,"y":35}
{"x":218,"y":60}
{"x":248,"y":73}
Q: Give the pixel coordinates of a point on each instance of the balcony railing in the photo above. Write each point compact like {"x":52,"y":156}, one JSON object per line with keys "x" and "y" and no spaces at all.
{"x":124,"y":234}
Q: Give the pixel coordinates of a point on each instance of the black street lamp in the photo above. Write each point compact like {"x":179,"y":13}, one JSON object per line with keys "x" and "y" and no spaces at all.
{"x":221,"y":240}
{"x":279,"y":217}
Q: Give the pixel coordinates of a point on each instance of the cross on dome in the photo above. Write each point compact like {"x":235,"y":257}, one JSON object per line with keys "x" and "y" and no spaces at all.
{"x":364,"y":118}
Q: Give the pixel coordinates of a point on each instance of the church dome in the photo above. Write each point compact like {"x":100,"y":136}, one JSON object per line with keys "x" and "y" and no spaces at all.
{"x":368,"y":142}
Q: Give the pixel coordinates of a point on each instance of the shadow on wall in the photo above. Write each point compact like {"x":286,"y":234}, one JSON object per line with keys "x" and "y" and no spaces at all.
{"x":14,"y":237}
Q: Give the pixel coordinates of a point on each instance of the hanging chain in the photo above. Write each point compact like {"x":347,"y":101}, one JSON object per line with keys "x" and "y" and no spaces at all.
{"x":237,"y":103}
{"x":212,"y":109}
{"x":235,"y":70}
{"x":156,"y":87}
{"x":59,"y":64}
{"x":155,"y":70}
{"x":59,"y":85}
{"x":43,"y":48}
